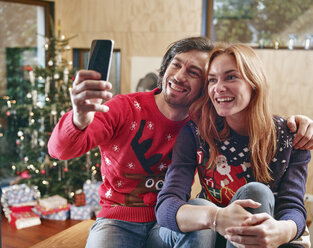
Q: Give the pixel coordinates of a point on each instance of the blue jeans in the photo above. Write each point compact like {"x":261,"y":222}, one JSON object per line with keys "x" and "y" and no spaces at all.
{"x":110,"y":233}
{"x":259,"y":193}
{"x":166,"y":238}
{"x":163,"y":237}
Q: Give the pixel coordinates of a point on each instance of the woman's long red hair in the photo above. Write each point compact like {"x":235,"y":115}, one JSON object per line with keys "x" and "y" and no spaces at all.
{"x":262,"y":130}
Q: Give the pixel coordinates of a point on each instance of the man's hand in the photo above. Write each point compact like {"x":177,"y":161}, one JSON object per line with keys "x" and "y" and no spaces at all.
{"x":303,"y":125}
{"x":87,"y":95}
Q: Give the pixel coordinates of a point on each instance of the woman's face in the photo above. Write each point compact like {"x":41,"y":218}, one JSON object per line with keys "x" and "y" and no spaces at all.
{"x":228,"y":91}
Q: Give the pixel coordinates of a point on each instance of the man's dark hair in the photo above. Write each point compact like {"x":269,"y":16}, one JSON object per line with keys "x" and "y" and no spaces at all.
{"x":198,"y":43}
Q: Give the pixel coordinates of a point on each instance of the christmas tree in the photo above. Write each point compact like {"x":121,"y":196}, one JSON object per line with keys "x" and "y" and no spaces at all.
{"x":35,"y":101}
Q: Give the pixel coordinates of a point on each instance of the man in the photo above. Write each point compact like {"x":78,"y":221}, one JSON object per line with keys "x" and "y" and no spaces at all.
{"x":135,"y":134}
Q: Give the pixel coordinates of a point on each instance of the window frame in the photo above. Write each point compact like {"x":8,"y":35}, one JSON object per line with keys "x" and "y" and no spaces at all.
{"x":49,"y":11}
{"x":207,"y":29}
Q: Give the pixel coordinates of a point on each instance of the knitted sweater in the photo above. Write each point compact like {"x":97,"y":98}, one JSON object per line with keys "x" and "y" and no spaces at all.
{"x":289,"y":171}
{"x":135,"y":141}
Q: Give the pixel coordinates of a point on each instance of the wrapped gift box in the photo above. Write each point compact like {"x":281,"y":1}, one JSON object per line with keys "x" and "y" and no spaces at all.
{"x":55,"y":214}
{"x":19,"y":193}
{"x":43,"y":210}
{"x":53,"y":208}
{"x":62,"y":215}
{"x":91,"y":189}
{"x":22,"y":217}
{"x":52,"y":203}
{"x":17,"y":204}
{"x":81,"y":212}
{"x":79,"y":198}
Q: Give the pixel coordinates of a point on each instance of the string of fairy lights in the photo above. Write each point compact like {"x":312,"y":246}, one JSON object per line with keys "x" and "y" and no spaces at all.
{"x":48,"y":99}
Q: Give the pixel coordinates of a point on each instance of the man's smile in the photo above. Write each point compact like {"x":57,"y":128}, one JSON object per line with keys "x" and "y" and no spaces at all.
{"x":176,"y":87}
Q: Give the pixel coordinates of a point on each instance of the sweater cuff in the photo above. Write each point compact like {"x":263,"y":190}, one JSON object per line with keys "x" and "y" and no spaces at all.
{"x":299,"y":222}
{"x":72,"y":131}
{"x":173,"y":207}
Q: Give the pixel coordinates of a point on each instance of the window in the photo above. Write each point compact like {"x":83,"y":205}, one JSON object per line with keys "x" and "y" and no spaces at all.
{"x":24,"y":24}
{"x":263,"y":22}
{"x":22,"y":40}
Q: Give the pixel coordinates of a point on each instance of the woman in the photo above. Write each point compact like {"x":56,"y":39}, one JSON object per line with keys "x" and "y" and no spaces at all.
{"x":253,"y":181}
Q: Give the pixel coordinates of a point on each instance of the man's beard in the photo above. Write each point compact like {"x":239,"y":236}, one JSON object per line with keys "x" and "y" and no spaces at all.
{"x":173,"y":102}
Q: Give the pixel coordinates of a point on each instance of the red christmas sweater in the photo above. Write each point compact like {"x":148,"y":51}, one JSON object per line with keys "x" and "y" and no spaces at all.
{"x":135,"y":140}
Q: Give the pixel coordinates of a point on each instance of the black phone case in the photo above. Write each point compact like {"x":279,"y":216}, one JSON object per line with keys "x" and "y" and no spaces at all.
{"x":100,"y":57}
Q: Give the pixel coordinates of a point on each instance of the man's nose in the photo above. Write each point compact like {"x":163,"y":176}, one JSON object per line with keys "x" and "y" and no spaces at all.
{"x":180,"y":75}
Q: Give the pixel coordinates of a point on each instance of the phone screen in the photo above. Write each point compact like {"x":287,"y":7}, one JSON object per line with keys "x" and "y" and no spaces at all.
{"x":100,"y":57}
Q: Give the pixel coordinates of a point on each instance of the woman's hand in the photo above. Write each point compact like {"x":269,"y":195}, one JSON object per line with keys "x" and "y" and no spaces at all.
{"x":261,"y":231}
{"x":234,"y":215}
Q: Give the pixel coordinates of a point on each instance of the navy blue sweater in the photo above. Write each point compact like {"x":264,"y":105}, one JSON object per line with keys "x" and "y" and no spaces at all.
{"x":289,"y":173}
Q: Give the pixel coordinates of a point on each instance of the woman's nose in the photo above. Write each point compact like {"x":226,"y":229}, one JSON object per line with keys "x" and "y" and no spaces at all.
{"x":219,"y":86}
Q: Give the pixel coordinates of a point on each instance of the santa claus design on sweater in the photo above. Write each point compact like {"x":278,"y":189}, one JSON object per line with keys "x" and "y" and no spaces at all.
{"x":221,"y":183}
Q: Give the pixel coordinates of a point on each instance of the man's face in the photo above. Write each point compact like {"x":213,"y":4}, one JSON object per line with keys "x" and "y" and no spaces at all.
{"x":184,"y":78}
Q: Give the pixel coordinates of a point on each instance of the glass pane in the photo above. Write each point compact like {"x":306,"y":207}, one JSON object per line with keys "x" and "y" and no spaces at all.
{"x":262,"y":22}
{"x":23,"y":38}
{"x":22,"y":30}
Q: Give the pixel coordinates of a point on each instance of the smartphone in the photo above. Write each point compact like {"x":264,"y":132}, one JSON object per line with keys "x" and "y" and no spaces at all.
{"x":100,"y":56}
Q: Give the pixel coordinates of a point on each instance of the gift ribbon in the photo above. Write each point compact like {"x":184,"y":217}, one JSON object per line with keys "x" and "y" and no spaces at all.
{"x":21,"y":209}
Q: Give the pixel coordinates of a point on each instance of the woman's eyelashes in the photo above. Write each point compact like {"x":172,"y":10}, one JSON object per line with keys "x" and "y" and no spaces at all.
{"x":229,"y":77}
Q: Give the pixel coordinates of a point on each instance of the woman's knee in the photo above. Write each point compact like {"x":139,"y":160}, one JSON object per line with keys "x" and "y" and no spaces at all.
{"x":259,"y":189}
{"x":258,"y":192}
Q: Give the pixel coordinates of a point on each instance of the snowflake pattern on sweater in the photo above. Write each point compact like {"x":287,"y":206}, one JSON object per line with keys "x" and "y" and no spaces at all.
{"x":135,"y":141}
{"x":288,"y":170}
{"x":232,"y":166}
